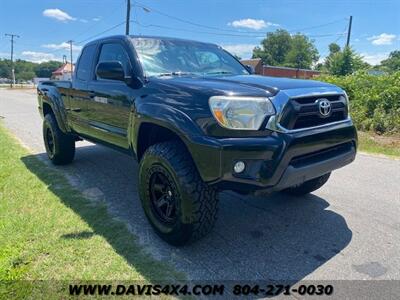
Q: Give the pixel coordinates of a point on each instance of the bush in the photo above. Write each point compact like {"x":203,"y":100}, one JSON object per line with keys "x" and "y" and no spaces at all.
{"x":374,"y":100}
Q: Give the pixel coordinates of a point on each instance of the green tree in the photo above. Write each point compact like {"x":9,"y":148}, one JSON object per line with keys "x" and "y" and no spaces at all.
{"x":46,"y":68}
{"x":345,"y":62}
{"x":392,"y":63}
{"x":333,"y":48}
{"x":25,"y":75}
{"x":23,"y":66}
{"x":5,"y":67}
{"x":24,"y":69}
{"x":274,"y":48}
{"x":302,"y":53}
{"x":279,"y":48}
{"x":359,"y":64}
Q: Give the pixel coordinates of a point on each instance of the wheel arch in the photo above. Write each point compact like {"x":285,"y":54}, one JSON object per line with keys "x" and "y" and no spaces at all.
{"x":174,"y":124}
{"x":150,"y":133}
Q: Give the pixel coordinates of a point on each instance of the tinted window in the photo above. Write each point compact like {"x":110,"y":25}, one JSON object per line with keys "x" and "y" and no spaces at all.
{"x":115,"y":52}
{"x":85,"y":62}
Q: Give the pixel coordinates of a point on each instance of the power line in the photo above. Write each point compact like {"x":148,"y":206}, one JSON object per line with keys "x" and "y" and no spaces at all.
{"x":319,"y":26}
{"x":100,"y":33}
{"x":83,"y":41}
{"x":227,"y":32}
{"x":148,"y":8}
{"x":217,"y":33}
{"x":81,"y":33}
{"x":179,"y":29}
{"x":325,"y":54}
{"x":96,"y":23}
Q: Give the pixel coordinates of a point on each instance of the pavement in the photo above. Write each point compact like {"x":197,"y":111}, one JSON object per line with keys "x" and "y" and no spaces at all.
{"x":347,"y":230}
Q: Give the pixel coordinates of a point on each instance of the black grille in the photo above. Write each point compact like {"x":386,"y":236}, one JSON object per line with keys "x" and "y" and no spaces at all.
{"x":304,"y":112}
{"x":313,"y":120}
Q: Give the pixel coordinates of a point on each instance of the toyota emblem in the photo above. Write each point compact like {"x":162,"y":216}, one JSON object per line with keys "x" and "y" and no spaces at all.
{"x":325,"y":107}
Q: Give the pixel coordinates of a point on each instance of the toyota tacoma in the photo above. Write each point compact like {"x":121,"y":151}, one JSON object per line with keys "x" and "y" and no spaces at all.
{"x":198,"y":122}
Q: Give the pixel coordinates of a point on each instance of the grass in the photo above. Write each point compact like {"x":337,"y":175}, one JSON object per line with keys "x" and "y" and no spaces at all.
{"x":372,"y":143}
{"x":50,"y":231}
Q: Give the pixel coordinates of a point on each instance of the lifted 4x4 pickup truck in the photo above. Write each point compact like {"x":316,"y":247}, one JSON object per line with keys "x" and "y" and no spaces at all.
{"x":198,"y":122}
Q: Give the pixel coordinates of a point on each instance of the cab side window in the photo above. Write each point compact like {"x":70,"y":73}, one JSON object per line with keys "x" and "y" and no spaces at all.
{"x":83,"y":71}
{"x":115,"y":52}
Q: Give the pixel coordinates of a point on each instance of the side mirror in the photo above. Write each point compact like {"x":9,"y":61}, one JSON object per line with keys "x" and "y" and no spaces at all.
{"x":250,"y":68}
{"x":112,"y":70}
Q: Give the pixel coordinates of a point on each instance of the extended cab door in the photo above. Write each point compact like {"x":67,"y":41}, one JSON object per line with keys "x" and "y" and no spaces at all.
{"x":111,"y":100}
{"x":78,"y":95}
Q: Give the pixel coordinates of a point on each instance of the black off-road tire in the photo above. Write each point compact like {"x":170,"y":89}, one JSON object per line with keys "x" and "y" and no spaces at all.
{"x":195,"y":202}
{"x":60,"y":147}
{"x":308,"y":186}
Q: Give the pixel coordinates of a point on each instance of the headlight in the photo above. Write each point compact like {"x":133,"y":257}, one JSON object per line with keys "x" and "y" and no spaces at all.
{"x":245,"y":113}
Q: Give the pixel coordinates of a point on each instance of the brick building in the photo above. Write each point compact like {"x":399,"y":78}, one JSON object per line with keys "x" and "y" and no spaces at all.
{"x":275,"y":71}
{"x":256,"y":63}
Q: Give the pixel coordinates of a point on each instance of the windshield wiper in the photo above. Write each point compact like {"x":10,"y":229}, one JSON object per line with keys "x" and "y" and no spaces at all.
{"x":176,"y":73}
{"x":219,"y":73}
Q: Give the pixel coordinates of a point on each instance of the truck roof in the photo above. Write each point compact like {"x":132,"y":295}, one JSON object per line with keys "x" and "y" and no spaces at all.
{"x":164,"y":38}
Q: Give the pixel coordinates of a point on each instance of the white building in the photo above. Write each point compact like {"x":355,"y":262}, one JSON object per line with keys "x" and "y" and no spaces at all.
{"x":63,"y":72}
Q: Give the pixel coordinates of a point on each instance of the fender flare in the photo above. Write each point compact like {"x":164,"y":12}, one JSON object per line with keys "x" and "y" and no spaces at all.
{"x":186,"y":129}
{"x":53,"y":98}
{"x":162,"y":115}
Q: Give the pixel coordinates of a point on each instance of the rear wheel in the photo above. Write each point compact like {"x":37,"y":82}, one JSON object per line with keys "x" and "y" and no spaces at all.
{"x":179,"y":205}
{"x":60,"y":147}
{"x":308,"y":186}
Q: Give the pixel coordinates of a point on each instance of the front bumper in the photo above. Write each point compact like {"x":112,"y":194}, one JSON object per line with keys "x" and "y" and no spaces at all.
{"x":277,"y":161}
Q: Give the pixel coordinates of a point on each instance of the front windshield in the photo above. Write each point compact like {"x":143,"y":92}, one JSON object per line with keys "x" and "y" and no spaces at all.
{"x":177,"y":57}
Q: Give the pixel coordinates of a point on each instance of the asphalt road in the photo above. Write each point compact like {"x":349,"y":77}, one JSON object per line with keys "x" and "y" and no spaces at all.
{"x":349,"y":229}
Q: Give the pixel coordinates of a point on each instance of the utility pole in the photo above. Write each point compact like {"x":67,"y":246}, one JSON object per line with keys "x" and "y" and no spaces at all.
{"x":128,"y":16}
{"x":12,"y":56}
{"x":70,"y":53}
{"x":349,"y":32}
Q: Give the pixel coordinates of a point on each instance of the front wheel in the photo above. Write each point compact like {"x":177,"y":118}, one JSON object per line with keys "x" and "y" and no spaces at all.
{"x":308,"y":186}
{"x":179,"y":205}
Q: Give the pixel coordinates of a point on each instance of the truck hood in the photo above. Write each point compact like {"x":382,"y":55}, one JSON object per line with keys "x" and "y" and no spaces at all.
{"x":239,"y":85}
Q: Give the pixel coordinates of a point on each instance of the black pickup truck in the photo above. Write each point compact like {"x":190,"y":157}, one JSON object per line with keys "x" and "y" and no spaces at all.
{"x":198,"y":122}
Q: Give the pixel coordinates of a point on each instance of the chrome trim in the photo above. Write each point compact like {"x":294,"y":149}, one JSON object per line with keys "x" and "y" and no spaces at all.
{"x":283,"y":97}
{"x":274,"y":126}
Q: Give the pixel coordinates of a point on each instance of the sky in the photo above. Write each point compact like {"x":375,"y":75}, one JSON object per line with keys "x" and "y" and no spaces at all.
{"x":44,"y":26}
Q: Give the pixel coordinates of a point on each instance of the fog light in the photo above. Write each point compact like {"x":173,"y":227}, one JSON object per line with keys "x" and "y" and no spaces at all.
{"x":239,"y":167}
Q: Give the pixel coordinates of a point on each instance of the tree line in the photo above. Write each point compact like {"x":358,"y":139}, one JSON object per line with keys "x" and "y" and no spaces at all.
{"x":280,"y":48}
{"x":26,"y":70}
